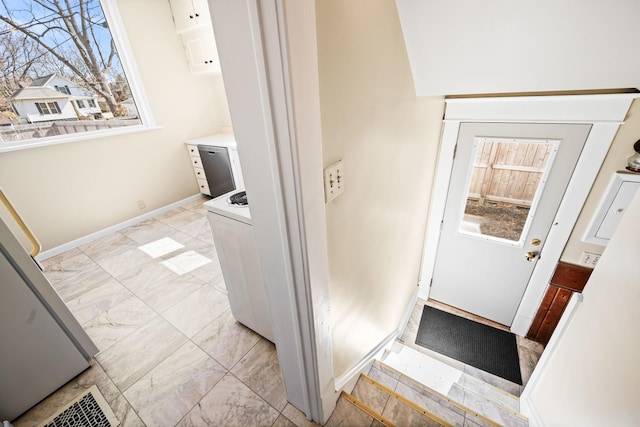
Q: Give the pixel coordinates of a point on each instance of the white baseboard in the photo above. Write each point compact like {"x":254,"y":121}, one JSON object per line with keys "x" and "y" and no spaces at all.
{"x":527,"y":407}
{"x":409,"y":310}
{"x":117,"y":227}
{"x":343,"y":381}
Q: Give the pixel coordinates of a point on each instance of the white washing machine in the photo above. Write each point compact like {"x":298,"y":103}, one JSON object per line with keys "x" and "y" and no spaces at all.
{"x":235,"y":243}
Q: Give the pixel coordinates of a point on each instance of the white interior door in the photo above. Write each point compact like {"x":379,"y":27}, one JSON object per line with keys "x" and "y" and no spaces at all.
{"x":507,"y":182}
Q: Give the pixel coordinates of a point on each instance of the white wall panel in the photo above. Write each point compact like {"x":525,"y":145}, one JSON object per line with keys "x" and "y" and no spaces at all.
{"x":502,"y":46}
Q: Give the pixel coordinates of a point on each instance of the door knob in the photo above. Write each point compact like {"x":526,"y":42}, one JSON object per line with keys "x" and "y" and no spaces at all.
{"x":530,"y":256}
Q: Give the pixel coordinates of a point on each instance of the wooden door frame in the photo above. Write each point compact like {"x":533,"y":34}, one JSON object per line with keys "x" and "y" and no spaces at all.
{"x":604,"y":112}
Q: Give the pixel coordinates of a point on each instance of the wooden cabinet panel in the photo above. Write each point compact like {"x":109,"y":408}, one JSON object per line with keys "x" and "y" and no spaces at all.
{"x":567,"y":278}
{"x":571,"y":276}
{"x":552,"y":316}
{"x":542,"y":311}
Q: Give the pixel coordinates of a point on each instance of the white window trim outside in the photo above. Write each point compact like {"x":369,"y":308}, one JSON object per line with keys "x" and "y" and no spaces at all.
{"x":116,"y":26}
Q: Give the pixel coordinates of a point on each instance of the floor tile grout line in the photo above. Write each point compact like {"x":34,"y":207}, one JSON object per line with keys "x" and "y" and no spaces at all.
{"x":247,"y":385}
{"x":205,"y":393}
{"x":188,"y":340}
{"x":210,"y":355}
{"x":83,"y":324}
{"x":120,"y":392}
{"x":258,"y":394}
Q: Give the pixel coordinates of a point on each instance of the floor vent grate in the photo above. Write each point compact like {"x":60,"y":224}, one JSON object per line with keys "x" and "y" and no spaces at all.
{"x":90,"y":409}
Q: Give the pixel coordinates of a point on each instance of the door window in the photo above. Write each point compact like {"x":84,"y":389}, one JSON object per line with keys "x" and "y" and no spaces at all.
{"x":506,"y":178}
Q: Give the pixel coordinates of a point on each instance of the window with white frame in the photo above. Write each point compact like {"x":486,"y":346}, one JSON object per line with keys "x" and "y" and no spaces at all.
{"x":63,"y":89}
{"x":48,"y":108}
{"x":63,"y":50}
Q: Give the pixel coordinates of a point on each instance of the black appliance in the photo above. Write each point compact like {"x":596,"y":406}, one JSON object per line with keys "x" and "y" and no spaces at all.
{"x":217,"y":168}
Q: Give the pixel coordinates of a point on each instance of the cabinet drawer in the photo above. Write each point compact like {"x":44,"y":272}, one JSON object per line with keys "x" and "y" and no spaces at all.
{"x":196,"y":162}
{"x":193,"y":150}
{"x":204,"y":186}
{"x":199,"y":172}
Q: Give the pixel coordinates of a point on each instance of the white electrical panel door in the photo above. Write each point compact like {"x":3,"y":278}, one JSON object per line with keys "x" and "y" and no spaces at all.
{"x":614,"y":204}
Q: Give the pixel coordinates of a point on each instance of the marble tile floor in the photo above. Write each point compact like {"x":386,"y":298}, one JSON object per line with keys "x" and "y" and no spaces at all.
{"x":153,"y":299}
{"x":164,"y":359}
{"x":529,"y":351}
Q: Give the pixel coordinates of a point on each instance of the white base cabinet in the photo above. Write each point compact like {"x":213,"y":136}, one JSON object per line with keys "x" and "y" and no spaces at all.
{"x":225,"y":140}
{"x":196,"y":164}
{"x":238,"y":255}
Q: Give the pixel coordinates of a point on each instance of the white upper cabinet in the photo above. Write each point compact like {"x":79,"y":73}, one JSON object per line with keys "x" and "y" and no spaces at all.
{"x":190,"y":14}
{"x":193,"y":23}
{"x":201,"y":50}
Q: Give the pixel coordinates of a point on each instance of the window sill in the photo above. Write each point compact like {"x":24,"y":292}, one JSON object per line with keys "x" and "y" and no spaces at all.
{"x":84,"y":136}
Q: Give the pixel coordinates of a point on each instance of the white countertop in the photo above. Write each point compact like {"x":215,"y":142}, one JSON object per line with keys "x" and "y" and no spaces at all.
{"x":221,"y":206}
{"x":227,"y":140}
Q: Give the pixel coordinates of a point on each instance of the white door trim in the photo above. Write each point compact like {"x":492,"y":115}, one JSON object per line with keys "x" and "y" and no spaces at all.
{"x":266,"y":72}
{"x":604,"y":112}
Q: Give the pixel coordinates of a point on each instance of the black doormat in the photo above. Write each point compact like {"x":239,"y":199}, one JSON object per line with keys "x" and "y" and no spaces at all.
{"x":484,"y":347}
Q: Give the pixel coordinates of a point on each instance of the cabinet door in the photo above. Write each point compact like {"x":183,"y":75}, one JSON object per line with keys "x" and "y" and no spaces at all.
{"x":190,"y":14}
{"x":183,"y":14}
{"x":201,"y":50}
{"x":201,"y":10}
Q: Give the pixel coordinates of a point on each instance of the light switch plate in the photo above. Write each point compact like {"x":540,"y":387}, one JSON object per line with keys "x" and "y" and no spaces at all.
{"x":589,"y":259}
{"x":333,"y":181}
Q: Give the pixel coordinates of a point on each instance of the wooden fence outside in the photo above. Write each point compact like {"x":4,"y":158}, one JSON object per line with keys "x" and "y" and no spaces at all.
{"x":67,"y":127}
{"x":63,"y":127}
{"x":508,"y":171}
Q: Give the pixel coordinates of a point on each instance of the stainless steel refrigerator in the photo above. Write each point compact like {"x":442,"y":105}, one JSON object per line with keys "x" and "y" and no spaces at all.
{"x":42,"y":346}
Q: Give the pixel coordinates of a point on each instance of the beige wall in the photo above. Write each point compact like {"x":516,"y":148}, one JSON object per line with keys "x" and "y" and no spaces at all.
{"x":70,"y":190}
{"x":387,"y":139}
{"x":616,"y":160}
{"x":591,"y":379}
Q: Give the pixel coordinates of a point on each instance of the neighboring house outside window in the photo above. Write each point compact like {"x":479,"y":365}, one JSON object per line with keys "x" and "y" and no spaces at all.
{"x":78,"y":90}
{"x":27,"y":102}
{"x":48,"y":88}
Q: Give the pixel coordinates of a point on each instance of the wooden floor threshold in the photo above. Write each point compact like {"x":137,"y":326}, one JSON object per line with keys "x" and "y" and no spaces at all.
{"x":440,"y":395}
{"x":406,"y":401}
{"x":376,"y":416}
